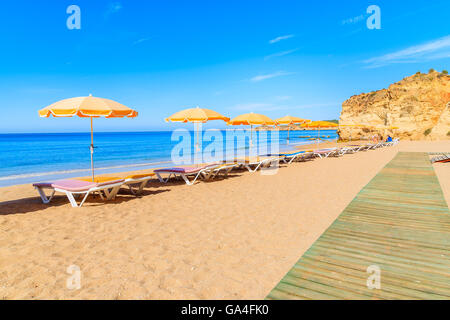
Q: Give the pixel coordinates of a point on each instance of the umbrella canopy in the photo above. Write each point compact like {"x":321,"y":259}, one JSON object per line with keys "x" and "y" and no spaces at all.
{"x":251,"y":119}
{"x":88,"y":107}
{"x":290,"y":120}
{"x":196,"y":115}
{"x":320,"y":124}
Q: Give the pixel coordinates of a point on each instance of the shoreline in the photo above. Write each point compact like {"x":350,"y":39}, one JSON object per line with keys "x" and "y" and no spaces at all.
{"x":27,"y":178}
{"x":44,"y":156}
{"x":110,"y":171}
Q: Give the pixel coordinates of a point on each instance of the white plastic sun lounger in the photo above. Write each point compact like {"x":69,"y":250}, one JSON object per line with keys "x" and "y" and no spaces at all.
{"x":302,"y":155}
{"x":292,"y":156}
{"x":362,"y":147}
{"x":137,"y":183}
{"x":370,"y":146}
{"x":378,"y":145}
{"x":346,"y":150}
{"x":224,"y":169}
{"x":325,"y":153}
{"x":441,"y":158}
{"x":252,"y":164}
{"x":73,"y":188}
{"x":353,"y":148}
{"x":392,"y":143}
{"x":185,"y":172}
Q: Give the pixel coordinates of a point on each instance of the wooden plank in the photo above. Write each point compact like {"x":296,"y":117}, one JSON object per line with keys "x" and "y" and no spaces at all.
{"x":399,"y":222}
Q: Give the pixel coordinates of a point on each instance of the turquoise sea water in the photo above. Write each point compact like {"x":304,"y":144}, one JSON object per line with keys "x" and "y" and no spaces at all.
{"x":27,"y":158}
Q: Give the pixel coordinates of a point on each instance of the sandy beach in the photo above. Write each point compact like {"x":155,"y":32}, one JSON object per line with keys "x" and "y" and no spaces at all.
{"x":232,"y":238}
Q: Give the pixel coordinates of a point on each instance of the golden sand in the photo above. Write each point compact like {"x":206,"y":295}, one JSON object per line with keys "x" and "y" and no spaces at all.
{"x":233,"y":238}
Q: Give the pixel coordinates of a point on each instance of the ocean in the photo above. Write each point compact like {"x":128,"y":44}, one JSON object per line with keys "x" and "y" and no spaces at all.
{"x":35,"y":157}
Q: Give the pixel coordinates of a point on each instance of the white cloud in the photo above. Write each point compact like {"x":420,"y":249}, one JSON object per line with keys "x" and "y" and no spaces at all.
{"x":270,"y":75}
{"x":432,"y":50}
{"x":278,"y":39}
{"x":113,"y":7}
{"x":280,"y":54}
{"x":140,"y":41}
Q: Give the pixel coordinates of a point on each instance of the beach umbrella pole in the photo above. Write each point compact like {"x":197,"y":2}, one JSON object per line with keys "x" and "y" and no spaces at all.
{"x":92,"y":149}
{"x":289,"y":129}
{"x":198,"y":127}
{"x":196,"y":142}
{"x":318,"y":135}
{"x":251,"y":139}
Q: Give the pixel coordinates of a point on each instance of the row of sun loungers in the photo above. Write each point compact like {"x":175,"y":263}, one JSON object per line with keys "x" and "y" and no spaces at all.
{"x":78,"y":190}
{"x":441,"y":159}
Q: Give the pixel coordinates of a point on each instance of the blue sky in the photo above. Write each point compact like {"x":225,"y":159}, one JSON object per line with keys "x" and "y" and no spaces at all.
{"x":302,"y":58}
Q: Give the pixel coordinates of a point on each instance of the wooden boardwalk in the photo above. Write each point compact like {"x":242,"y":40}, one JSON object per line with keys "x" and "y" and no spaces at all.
{"x":399,"y":222}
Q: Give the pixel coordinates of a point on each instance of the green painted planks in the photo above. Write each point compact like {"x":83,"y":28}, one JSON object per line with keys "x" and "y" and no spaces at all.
{"x":400,"y":222}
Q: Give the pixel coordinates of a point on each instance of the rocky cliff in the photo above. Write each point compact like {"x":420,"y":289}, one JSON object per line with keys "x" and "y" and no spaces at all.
{"x":419,"y":106}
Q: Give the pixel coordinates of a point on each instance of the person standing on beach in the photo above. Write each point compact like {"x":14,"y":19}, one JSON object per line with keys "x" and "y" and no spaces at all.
{"x":375,"y":138}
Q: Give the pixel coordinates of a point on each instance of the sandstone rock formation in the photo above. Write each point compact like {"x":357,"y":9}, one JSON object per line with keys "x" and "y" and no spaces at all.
{"x":418,"y":105}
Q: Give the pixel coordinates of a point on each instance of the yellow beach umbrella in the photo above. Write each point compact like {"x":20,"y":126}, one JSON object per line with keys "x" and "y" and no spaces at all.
{"x":251,"y":119}
{"x":197,"y":116}
{"x":318,"y":125}
{"x":290,"y":120}
{"x":88,"y":107}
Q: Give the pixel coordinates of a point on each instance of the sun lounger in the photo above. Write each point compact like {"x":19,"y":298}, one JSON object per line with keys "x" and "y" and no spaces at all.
{"x":352,"y":148}
{"x":442,"y":158}
{"x":224,"y":169}
{"x":292,"y":156}
{"x":371,"y":146}
{"x":136,"y":183}
{"x":325,"y":153}
{"x":380,"y":144}
{"x":392,"y":143}
{"x":73,"y":188}
{"x":347,"y":149}
{"x":300,"y":155}
{"x":252,"y":164}
{"x":185,"y":172}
